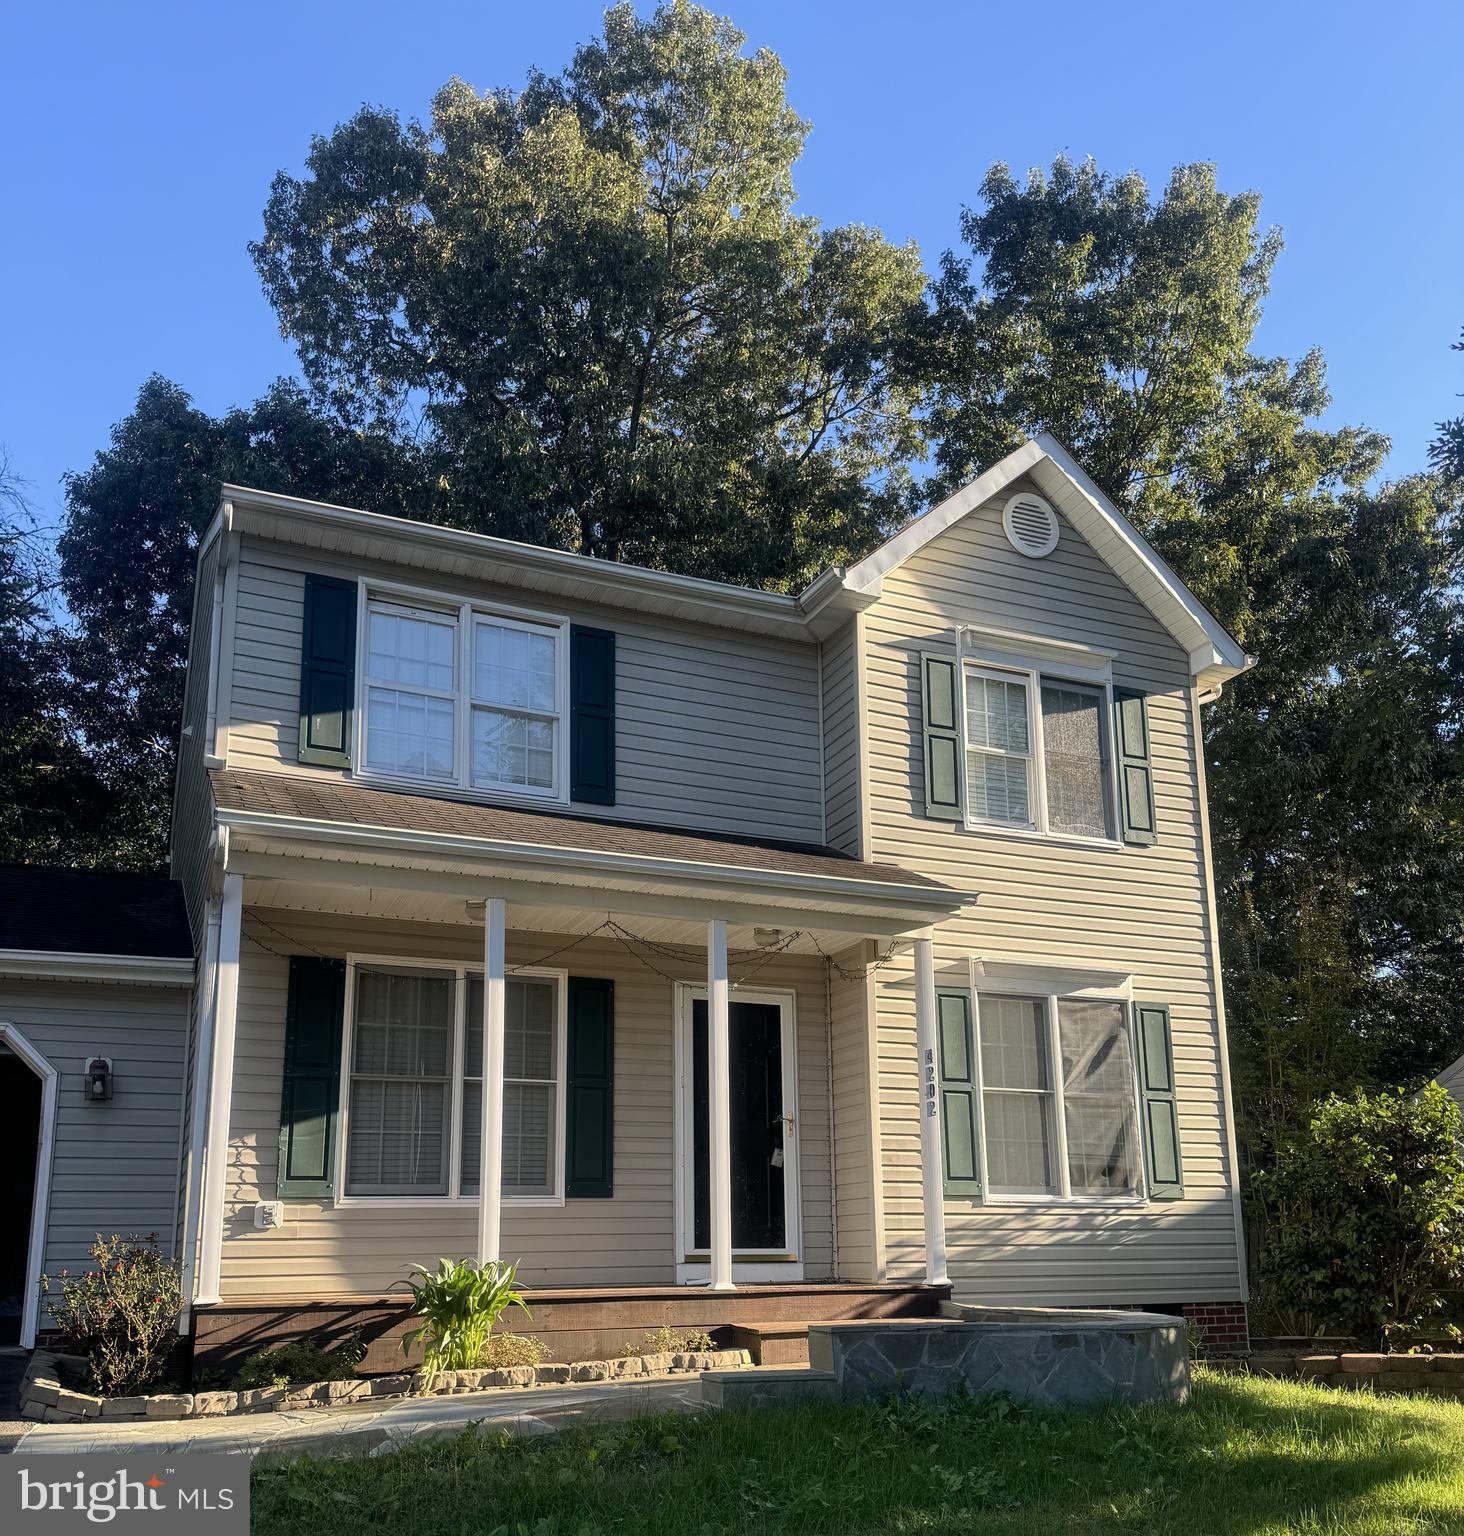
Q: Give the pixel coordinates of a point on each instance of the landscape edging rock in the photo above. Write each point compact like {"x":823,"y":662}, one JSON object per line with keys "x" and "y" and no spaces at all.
{"x":46,"y":1399}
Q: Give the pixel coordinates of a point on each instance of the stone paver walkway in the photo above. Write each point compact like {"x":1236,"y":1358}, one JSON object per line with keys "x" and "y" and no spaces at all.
{"x":373,"y":1428}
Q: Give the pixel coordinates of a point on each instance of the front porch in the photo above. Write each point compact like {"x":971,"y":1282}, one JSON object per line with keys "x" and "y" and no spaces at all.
{"x":770,"y":1321}
{"x":738,"y":1097}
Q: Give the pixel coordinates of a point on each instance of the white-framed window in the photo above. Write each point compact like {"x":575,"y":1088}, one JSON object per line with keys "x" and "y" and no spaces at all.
{"x":1059,"y":1117}
{"x":1037,"y":751}
{"x":463,"y":696}
{"x":411,"y":692}
{"x":411,"y":1106}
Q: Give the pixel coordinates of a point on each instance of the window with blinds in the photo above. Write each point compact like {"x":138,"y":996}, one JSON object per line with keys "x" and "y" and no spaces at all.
{"x":1037,"y":753}
{"x":401,"y":1084}
{"x":530,"y":1088}
{"x":1065,"y":1133}
{"x":414,"y":1105}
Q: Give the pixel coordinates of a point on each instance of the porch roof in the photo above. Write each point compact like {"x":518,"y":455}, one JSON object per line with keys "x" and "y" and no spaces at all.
{"x":339,"y":819}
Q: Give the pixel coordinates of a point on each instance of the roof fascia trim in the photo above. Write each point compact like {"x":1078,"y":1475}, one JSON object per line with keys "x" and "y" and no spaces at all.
{"x":129,"y":970}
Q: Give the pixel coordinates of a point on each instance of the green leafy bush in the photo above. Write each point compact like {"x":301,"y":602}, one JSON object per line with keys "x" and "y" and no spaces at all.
{"x":122,"y":1314}
{"x":457,"y":1306}
{"x":501,"y":1350}
{"x":1365,"y":1214}
{"x":304,"y":1359}
{"x":666,"y":1340}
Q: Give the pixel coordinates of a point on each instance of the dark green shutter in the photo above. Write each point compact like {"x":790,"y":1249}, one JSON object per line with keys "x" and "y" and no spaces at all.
{"x":314,"y":1021}
{"x":590,"y":1090}
{"x":1161,"y":1106}
{"x":940,"y":725}
{"x":1135,"y":773}
{"x":959,"y":1108}
{"x":592,"y":715}
{"x":328,"y":671}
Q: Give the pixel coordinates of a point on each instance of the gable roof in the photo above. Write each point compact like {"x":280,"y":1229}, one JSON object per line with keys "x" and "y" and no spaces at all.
{"x":1214,"y":653}
{"x":811,"y":615}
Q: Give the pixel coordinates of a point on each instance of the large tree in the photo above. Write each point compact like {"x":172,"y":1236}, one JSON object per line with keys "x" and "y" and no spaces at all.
{"x":53,"y":809}
{"x":127,"y":557}
{"x":1125,"y":324}
{"x":596,"y":298}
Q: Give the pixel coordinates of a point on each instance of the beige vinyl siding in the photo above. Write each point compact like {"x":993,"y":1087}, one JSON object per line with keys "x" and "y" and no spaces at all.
{"x":1141,"y":910}
{"x":855,"y":1156}
{"x":626,"y":1240}
{"x":715,"y":730}
{"x":841,"y":740}
{"x":193,"y":805}
{"x":114,"y":1165}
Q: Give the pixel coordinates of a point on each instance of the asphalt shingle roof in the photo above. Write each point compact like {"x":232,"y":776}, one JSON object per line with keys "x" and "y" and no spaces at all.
{"x":338,"y":800}
{"x":89,"y":912}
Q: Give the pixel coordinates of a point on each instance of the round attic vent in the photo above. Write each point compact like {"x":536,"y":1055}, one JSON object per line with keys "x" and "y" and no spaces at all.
{"x":1030,"y":524}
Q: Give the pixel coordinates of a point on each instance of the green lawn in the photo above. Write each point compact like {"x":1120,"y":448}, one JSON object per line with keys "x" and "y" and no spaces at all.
{"x":1247,"y":1456}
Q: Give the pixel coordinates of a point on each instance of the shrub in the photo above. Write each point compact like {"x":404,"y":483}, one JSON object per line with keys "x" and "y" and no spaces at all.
{"x":501,"y":1350}
{"x":121,"y":1315}
{"x":666,"y":1340}
{"x":1365,"y":1213}
{"x":457,"y":1305}
{"x":304,"y":1359}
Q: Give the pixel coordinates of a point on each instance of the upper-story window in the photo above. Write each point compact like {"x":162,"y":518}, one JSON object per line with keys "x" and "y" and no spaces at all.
{"x":464,"y":696}
{"x":1037,"y":754}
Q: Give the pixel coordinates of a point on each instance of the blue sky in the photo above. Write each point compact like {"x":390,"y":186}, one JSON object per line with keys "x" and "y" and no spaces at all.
{"x":139,"y":142}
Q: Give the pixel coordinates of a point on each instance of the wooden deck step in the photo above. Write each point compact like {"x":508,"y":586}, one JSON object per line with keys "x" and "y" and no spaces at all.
{"x":770,"y":1343}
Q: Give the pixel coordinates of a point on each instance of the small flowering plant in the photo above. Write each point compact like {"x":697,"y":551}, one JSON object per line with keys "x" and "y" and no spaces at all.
{"x":121,"y":1314}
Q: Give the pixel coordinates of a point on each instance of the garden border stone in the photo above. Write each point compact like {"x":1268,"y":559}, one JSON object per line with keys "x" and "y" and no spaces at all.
{"x":45,"y":1396}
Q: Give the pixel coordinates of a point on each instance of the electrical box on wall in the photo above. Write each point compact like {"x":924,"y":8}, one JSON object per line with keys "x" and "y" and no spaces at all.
{"x":269,"y":1214}
{"x":97,"y":1076}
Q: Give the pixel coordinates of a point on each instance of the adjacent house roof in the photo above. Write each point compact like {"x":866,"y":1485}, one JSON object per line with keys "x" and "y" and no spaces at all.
{"x":106,"y":926}
{"x":813,"y":614}
{"x":244,"y":798}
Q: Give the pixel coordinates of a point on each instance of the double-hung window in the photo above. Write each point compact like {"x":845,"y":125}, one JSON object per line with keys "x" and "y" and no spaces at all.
{"x":412,"y":1100}
{"x":411,"y":693}
{"x":1037,"y":754}
{"x":465,"y":697}
{"x":1059,"y":1098}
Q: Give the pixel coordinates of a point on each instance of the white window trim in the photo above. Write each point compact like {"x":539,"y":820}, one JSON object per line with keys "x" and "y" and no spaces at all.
{"x":462,"y":973}
{"x":1053,"y":985}
{"x":463,"y":612}
{"x":993,"y":662}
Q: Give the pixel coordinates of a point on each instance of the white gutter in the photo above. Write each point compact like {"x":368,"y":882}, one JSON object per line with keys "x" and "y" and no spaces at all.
{"x":538,"y":856}
{"x":133,"y":970}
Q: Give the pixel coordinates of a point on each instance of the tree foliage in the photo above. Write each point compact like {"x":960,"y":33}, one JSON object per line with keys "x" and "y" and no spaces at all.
{"x":1125,"y":325}
{"x":127,"y":557}
{"x":595,"y":298}
{"x":1366,"y":1207}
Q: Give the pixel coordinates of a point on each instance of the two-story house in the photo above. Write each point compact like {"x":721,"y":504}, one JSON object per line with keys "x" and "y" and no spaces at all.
{"x":721,"y":956}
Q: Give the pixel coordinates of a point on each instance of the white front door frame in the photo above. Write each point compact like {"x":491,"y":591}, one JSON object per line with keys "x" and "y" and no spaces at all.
{"x":41,"y":1192}
{"x":759,"y":1268}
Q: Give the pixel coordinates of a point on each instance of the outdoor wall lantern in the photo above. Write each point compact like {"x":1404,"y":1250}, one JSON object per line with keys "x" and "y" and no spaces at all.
{"x":98,"y":1076}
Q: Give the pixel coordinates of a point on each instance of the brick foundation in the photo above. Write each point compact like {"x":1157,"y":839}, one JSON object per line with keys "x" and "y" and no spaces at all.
{"x":1222,"y":1325}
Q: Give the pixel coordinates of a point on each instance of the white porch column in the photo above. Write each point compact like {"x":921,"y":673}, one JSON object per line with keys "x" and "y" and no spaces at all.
{"x":933,"y":1180}
{"x":490,"y":1164}
{"x":719,"y":1108}
{"x":221,"y":1090}
{"x":203,"y":1006}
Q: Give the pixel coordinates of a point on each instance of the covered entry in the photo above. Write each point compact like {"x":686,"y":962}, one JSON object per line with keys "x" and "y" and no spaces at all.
{"x":27,"y":1122}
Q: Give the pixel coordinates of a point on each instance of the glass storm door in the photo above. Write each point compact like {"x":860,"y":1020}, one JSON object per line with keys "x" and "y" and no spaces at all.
{"x":759,"y":1154}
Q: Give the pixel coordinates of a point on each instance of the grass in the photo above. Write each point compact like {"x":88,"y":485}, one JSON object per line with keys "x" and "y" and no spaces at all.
{"x":1247,"y":1456}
